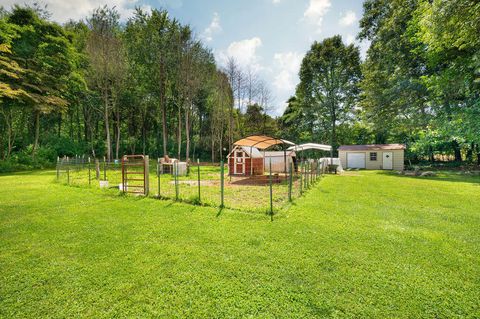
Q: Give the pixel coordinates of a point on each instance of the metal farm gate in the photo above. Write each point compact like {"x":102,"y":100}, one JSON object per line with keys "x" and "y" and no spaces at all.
{"x":135,"y":171}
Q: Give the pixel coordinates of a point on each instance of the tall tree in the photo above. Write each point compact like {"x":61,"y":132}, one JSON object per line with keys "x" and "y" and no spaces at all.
{"x":329,"y":78}
{"x":103,"y":47}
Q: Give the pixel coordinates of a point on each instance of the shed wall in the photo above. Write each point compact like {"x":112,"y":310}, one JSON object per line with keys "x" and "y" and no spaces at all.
{"x":257,"y":166}
{"x":398,"y":159}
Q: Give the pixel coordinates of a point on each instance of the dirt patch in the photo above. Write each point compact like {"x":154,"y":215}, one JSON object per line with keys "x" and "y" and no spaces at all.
{"x":195,"y":183}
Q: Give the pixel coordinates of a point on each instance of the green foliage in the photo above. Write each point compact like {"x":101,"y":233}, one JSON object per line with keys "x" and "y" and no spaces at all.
{"x":327,"y":92}
{"x":109,"y":89}
{"x":420,"y":74}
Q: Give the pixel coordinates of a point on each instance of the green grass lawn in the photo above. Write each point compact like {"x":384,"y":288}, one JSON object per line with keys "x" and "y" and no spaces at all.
{"x":361,"y":245}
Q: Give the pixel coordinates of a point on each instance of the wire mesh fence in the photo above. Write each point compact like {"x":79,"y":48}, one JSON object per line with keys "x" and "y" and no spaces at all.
{"x":201,"y":183}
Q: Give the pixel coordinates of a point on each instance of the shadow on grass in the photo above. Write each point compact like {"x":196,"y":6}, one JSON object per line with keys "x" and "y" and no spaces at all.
{"x":48,"y":172}
{"x":441,"y":176}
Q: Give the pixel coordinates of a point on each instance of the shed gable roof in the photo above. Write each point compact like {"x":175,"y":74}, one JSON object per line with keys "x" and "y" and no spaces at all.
{"x":372,"y":147}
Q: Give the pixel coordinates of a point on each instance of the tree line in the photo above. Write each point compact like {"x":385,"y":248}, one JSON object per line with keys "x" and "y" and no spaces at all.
{"x":103,"y":87}
{"x":419,"y":84}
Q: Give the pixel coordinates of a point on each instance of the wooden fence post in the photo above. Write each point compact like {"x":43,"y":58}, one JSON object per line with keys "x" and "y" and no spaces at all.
{"x":104,"y":168}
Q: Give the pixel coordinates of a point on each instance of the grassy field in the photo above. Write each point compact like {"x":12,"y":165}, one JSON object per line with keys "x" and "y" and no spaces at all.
{"x":361,"y":245}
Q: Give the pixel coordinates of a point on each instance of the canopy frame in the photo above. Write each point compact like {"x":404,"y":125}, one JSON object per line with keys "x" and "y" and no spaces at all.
{"x":256,"y":141}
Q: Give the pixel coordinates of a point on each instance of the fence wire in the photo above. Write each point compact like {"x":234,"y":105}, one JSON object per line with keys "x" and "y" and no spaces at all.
{"x":203,"y":184}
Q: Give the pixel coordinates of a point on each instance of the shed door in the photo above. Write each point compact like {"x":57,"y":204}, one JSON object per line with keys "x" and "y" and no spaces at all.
{"x":355,"y":160}
{"x":239,"y":166}
{"x":387,"y":160}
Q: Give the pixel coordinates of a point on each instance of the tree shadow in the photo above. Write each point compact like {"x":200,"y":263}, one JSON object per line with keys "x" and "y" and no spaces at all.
{"x":441,"y":176}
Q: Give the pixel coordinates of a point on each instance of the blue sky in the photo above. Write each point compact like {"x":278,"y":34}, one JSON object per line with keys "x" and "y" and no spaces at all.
{"x":268,"y":36}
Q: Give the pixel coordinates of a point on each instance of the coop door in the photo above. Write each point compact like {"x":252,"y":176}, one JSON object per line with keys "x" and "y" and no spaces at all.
{"x":239,"y":163}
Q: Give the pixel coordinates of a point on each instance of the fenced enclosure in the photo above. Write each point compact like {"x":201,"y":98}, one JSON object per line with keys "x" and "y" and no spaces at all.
{"x":203,"y":184}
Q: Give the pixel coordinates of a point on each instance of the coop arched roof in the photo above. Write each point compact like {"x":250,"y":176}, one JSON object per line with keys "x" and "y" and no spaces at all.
{"x":261,"y":141}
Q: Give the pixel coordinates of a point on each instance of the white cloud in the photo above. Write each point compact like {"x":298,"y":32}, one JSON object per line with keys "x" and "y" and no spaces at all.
{"x":65,"y":10}
{"x":244,"y":52}
{"x":349,"y":39}
{"x":348,"y":19}
{"x":288,"y":66}
{"x":276,"y":1}
{"x":213,"y":28}
{"x":315,"y":12}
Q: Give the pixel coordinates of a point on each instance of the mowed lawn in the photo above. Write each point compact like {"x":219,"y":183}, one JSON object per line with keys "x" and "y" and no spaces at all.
{"x":362,"y":245}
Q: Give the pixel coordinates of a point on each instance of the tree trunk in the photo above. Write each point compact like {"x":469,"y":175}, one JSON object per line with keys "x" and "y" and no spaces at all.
{"x":59,"y":129}
{"x":179,"y":133}
{"x":164,"y":127}
{"x":10,"y":134}
{"x":107,"y":126}
{"x":212,"y":141}
{"x":117,"y":144}
{"x":458,"y":153}
{"x":333,"y":138}
{"x":478,"y":154}
{"x":70,"y":130}
{"x":470,"y":152}
{"x":37,"y":133}
{"x":187,"y":135}
{"x":78,"y":126}
{"x":117,"y":122}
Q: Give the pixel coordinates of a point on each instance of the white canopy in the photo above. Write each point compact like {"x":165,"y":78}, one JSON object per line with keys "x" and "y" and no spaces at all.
{"x":310,"y":146}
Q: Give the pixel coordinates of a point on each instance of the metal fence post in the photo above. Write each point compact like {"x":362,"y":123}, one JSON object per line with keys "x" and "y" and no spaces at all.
{"x":58,"y":167}
{"x":271,"y":191}
{"x":68,"y":175}
{"x":306,"y":176}
{"x":89,"y":173}
{"x":301,"y":178}
{"x":175,"y":176}
{"x":222,"y":204}
{"x":318,"y":169}
{"x":290,"y":182}
{"x":158,"y":176}
{"x":312,"y":177}
{"x":104,"y":168}
{"x":198,"y":173}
